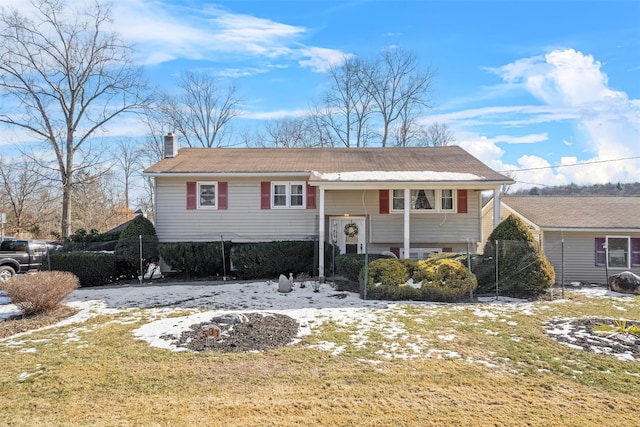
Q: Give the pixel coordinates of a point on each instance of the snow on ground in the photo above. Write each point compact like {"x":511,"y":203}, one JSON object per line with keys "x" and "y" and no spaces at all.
{"x":173,"y":308}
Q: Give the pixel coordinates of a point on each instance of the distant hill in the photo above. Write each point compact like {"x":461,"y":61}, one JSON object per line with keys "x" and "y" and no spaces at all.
{"x":610,"y":189}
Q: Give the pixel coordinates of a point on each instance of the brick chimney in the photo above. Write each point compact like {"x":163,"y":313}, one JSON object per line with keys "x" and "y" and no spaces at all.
{"x":170,"y":146}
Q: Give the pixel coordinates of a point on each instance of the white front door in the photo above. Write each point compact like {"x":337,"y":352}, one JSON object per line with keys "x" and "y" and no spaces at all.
{"x":348,"y":233}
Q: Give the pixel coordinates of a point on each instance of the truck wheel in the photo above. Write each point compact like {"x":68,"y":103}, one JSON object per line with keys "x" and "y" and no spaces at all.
{"x":6,"y":273}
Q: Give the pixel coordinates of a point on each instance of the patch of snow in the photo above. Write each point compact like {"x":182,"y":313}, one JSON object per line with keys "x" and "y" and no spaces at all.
{"x":396,"y":176}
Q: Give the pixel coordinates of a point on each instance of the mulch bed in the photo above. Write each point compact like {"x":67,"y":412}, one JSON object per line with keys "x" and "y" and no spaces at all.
{"x":260,"y":332}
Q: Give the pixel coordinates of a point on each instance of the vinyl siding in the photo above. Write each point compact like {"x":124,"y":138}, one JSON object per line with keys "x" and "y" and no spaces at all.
{"x":579,"y":256}
{"x":242,"y":221}
{"x":427,"y":229}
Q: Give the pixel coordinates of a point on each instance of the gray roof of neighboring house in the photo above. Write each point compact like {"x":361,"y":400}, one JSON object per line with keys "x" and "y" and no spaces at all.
{"x":613,"y":212}
{"x":437,"y":164}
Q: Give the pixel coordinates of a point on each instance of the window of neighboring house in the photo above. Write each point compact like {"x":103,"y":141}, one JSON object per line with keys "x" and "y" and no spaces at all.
{"x":207,"y":192}
{"x":288,"y":194}
{"x":618,"y":251}
{"x":425,"y":200}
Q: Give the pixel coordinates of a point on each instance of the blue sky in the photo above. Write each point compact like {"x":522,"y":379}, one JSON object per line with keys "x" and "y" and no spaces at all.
{"x":524,"y":85}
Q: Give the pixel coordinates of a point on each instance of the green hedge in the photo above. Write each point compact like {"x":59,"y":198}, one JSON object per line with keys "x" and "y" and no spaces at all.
{"x":197,"y":259}
{"x":91,"y":268}
{"x":270,"y":259}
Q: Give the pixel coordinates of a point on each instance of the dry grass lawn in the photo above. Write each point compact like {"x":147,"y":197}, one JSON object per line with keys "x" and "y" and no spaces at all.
{"x":498,"y":370}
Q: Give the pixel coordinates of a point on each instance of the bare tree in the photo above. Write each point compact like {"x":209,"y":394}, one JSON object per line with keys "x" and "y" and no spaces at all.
{"x":67,"y":78}
{"x":348,"y":105}
{"x":202,"y":114}
{"x":127,"y":159}
{"x":25,"y":191}
{"x":397,"y":84}
{"x":437,"y":135}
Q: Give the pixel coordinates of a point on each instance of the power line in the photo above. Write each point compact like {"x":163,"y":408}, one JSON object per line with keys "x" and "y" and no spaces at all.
{"x":575,"y":164}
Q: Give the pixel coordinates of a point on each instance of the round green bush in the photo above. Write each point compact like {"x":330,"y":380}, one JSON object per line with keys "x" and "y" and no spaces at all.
{"x":387,"y":271}
{"x":444,"y":279}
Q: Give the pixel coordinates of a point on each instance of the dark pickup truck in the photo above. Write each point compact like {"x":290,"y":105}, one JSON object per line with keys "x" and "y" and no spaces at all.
{"x":21,"y":256}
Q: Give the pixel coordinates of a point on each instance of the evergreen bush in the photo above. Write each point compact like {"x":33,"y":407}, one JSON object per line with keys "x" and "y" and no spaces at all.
{"x":270,"y":259}
{"x":523,"y":268}
{"x":91,"y":268}
{"x":193,"y":259}
{"x":387,"y":271}
{"x":128,"y":247}
{"x":444,"y":279}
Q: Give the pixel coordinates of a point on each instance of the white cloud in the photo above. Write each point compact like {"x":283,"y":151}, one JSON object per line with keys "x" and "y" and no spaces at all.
{"x":573,"y":89}
{"x":163,"y":31}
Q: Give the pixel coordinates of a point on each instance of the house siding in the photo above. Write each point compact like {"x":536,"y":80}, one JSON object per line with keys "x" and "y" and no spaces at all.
{"x":245,"y":221}
{"x":427,"y":229}
{"x":242,"y":221}
{"x":579,"y":256}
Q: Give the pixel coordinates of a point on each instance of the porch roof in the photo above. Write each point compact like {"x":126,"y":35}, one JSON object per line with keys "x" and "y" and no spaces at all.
{"x":424,"y":164}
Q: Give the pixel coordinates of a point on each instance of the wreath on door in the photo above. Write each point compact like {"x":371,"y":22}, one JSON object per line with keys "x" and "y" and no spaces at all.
{"x":351,"y":229}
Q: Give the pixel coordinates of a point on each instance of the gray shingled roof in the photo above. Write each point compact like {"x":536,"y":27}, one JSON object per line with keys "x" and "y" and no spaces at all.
{"x":613,"y":212}
{"x":446,"y":160}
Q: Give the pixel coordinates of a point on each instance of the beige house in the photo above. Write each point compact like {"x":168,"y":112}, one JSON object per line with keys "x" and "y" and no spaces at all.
{"x":586,"y":238}
{"x":410,"y":201}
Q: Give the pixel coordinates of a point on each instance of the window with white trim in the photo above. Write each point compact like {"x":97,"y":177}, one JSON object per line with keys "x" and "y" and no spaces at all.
{"x":425,"y":200}
{"x":207,"y":195}
{"x":618,"y":251}
{"x":287,"y":194}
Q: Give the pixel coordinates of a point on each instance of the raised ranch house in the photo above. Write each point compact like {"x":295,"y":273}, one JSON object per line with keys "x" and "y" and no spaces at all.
{"x":410,"y":201}
{"x":586,"y":238}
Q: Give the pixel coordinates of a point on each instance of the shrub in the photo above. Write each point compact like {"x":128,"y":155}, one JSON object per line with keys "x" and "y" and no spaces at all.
{"x":387,"y":271}
{"x":269,"y":259}
{"x":39,"y":292}
{"x":523,"y":269}
{"x":350,"y":265}
{"x":91,"y":268}
{"x":399,"y":292}
{"x":444,"y":279}
{"x":196,"y":258}
{"x":128,"y":247}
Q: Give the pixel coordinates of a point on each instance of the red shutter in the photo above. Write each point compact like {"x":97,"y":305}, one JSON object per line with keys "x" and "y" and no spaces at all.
{"x":462,"y":201}
{"x":600,"y":252}
{"x":447,"y":249}
{"x":192,"y":198}
{"x":384,"y":201}
{"x":311,"y":197}
{"x":223,"y":194}
{"x":395,"y":251}
{"x":265,"y":195}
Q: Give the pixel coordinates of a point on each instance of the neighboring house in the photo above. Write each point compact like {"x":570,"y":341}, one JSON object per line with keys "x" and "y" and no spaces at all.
{"x":411,"y":201}
{"x":586,"y":238}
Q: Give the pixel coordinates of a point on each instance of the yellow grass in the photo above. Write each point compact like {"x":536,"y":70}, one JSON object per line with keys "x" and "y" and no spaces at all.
{"x":98,"y":374}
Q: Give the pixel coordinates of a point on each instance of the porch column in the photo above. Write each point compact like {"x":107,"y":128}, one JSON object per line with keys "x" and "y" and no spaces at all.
{"x":321,"y":237}
{"x":407,"y":223}
{"x":496,"y":207}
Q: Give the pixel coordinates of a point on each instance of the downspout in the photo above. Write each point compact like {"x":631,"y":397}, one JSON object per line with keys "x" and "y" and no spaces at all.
{"x":321,"y":236}
{"x":496,"y":207}
{"x":407,"y":223}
